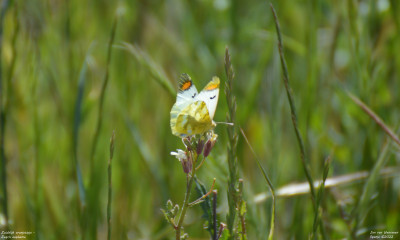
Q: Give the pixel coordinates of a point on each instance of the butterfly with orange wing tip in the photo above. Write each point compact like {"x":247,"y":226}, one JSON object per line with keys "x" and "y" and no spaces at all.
{"x":193,"y":112}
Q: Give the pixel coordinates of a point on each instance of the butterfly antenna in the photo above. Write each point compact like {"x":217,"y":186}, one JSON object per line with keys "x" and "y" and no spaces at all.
{"x":226,"y":123}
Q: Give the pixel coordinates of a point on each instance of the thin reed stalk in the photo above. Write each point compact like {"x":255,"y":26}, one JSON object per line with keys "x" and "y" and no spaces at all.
{"x":92,"y":212}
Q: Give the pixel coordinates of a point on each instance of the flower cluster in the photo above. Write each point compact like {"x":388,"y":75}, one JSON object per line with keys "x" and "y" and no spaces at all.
{"x":195,"y":146}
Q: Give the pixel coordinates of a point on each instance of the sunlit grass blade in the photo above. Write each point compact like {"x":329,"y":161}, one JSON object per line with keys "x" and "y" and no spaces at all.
{"x":297,"y":189}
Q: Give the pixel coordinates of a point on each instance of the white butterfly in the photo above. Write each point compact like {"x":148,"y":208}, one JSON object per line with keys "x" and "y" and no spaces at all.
{"x":193,"y":112}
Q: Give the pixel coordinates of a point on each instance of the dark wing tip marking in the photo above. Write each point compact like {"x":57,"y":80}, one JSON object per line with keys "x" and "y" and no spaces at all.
{"x":185,"y":82}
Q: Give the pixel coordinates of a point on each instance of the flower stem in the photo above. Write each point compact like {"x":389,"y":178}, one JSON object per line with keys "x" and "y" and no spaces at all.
{"x":185,"y":205}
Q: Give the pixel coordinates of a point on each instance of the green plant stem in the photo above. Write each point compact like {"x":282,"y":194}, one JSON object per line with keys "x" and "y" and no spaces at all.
{"x":293,"y":109}
{"x":185,"y":205}
{"x":110,"y":186}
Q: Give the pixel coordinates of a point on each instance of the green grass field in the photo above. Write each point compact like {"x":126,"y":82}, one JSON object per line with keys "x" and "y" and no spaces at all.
{"x":74,"y":71}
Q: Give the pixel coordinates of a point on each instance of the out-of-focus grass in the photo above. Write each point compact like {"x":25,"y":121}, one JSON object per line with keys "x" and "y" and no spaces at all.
{"x":331,"y":47}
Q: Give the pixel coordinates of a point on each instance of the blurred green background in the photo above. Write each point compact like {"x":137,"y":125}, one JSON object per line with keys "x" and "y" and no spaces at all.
{"x":52,"y":50}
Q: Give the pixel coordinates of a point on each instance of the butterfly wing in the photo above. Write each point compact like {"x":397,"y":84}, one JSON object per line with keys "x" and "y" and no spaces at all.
{"x":194,"y":119}
{"x":186,"y":91}
{"x":210,"y":95}
{"x":186,"y":94}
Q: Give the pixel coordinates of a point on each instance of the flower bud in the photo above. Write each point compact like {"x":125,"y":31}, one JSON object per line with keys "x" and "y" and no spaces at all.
{"x":210,"y":144}
{"x":200,"y":146}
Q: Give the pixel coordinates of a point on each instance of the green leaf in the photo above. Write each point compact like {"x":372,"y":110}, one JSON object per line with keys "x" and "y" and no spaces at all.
{"x":205,"y":205}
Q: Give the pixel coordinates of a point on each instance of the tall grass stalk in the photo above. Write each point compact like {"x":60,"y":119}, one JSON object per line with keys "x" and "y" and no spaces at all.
{"x":103,"y":92}
{"x":289,"y":92}
{"x":232,"y":144}
{"x":269,"y":183}
{"x":109,"y":196}
{"x":304,"y":160}
{"x":92,"y":211}
{"x":3,"y":10}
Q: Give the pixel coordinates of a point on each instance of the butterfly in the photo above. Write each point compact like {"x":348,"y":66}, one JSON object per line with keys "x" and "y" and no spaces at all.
{"x":193,"y":112}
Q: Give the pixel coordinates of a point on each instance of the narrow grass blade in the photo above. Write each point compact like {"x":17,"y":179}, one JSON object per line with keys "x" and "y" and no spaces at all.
{"x":77,"y":120}
{"x":269,"y":183}
{"x":375,"y":117}
{"x":155,"y":70}
{"x":103,"y":91}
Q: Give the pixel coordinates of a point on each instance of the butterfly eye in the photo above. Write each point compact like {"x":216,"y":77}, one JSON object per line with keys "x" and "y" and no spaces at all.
{"x":194,"y":95}
{"x":213,"y":97}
